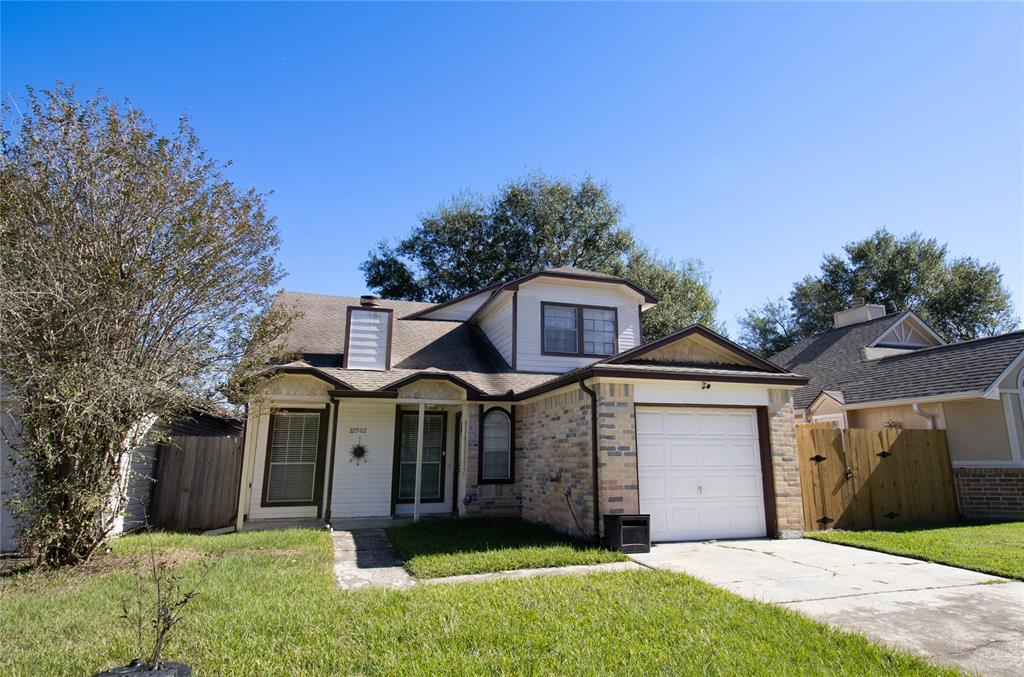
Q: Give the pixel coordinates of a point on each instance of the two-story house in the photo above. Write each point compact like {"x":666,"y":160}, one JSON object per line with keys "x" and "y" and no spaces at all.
{"x":537,"y":399}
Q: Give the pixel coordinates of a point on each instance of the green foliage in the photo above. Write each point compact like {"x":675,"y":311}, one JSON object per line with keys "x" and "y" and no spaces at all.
{"x":996,"y":548}
{"x":271,"y":607}
{"x":135,"y":280}
{"x":534,"y":223}
{"x":960,"y":298}
{"x":475,"y":546}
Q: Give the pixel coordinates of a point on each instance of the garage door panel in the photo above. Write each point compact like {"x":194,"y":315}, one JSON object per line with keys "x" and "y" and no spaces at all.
{"x":700,"y":473}
{"x":683,"y":486}
{"x":654,"y":487}
{"x":680,"y":423}
{"x":682,"y":454}
{"x":651,"y":453}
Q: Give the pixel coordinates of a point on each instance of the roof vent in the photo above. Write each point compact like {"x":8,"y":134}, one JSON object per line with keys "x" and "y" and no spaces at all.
{"x":369,"y":301}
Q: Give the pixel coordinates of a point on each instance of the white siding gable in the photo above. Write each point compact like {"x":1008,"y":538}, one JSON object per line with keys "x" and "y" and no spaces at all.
{"x":460,"y":311}
{"x":529,"y":333}
{"x":496,"y":322}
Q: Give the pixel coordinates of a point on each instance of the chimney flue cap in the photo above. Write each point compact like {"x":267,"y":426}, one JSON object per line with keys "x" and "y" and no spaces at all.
{"x":858,"y":301}
{"x":369,"y":301}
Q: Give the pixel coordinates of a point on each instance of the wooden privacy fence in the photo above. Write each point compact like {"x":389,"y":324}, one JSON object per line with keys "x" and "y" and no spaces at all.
{"x":874,"y":479}
{"x":196,"y":482}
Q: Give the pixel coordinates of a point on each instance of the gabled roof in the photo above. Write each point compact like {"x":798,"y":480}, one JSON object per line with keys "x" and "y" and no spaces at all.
{"x":728,"y":346}
{"x":834,"y":361}
{"x":568,"y":273}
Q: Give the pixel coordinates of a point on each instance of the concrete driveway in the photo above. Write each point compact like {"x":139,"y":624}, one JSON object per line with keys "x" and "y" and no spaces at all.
{"x":949,"y":615}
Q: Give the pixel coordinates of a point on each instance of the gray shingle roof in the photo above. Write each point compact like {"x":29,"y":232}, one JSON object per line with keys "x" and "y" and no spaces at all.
{"x":833,"y":360}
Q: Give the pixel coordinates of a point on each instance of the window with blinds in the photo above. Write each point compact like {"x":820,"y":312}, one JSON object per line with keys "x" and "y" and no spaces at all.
{"x":496,"y":458}
{"x":291,"y":468}
{"x":586,"y":331}
{"x":432,"y":467}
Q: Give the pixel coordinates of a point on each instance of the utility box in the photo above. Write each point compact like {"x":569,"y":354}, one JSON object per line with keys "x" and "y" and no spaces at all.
{"x":627,"y":533}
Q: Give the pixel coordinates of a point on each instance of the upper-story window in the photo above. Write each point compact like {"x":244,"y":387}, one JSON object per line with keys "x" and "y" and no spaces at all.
{"x":587,"y":331}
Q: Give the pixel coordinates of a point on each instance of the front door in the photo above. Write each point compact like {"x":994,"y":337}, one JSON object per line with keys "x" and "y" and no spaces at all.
{"x":432,"y":465}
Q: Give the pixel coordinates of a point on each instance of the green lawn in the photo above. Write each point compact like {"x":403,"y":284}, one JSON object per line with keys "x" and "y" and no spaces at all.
{"x":996,"y":548}
{"x":270,"y":607}
{"x":447,"y":547}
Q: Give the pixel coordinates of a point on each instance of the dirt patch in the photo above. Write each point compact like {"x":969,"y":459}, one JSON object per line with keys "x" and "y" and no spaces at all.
{"x":27,"y":578}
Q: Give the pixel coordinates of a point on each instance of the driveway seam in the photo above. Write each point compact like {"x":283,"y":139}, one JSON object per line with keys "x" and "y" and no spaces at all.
{"x":892,"y":592}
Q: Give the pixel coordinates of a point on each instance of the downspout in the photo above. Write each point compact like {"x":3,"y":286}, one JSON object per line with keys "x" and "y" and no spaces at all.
{"x":336,"y":404}
{"x":924,"y":414}
{"x":593,"y":457}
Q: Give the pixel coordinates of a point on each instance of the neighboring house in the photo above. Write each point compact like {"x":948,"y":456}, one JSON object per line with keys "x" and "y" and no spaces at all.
{"x":487,"y":403}
{"x":875,"y":370}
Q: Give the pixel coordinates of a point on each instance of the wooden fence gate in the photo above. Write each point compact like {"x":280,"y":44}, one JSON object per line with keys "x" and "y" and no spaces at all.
{"x":197,"y":481}
{"x":874,"y":479}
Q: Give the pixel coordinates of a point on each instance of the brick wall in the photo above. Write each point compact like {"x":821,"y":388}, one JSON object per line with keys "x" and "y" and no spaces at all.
{"x":990,"y":492}
{"x":785,"y":467}
{"x":616,"y":446}
{"x":491,"y":500}
{"x":553,"y":454}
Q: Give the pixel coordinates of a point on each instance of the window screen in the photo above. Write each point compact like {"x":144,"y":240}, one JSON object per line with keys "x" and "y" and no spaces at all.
{"x":560,"y":333}
{"x":497,"y":450}
{"x":293,"y":452}
{"x":598,"y":331}
{"x":431,"y":475}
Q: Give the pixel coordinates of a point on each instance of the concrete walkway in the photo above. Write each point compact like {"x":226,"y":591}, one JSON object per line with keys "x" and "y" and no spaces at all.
{"x":363,"y":558}
{"x":950,"y":615}
{"x":577,"y":569}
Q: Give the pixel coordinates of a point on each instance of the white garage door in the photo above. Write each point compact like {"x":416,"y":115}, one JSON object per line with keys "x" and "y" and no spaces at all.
{"x":700,"y":473}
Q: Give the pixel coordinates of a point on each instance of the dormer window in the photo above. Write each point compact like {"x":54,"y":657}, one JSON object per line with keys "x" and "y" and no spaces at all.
{"x":584,"y":331}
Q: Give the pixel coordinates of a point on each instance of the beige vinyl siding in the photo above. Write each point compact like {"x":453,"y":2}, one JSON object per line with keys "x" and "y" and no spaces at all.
{"x":363,"y":489}
{"x":976,"y":430}
{"x":879,"y":417}
{"x":496,"y":323}
{"x":529,"y":332}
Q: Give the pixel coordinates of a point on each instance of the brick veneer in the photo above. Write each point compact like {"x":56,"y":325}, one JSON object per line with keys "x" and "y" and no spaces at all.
{"x":990,"y":492}
{"x":553,"y":455}
{"x":493,"y":500}
{"x":785,"y":467}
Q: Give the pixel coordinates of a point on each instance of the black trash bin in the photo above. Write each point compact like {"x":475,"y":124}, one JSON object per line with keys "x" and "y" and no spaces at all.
{"x":627,"y":533}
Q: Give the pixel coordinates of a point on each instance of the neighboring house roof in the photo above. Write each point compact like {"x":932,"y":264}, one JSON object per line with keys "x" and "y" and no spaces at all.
{"x":460,"y":353}
{"x":834,"y":361}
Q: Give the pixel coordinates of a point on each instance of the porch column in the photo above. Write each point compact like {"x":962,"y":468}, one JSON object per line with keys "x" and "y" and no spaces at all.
{"x":419,"y":466}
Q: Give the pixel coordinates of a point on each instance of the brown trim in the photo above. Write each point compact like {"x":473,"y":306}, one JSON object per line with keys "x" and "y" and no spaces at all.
{"x":348,"y":332}
{"x":318,"y":468}
{"x":426,"y":311}
{"x":382,"y":394}
{"x":396,"y":458}
{"x":314,"y":372}
{"x":694,"y":406}
{"x":579,"y":307}
{"x":514,"y":285}
{"x":471,"y":390}
{"x":712,"y":336}
{"x":396,"y":469}
{"x":457,"y":450}
{"x":480,"y":479}
{"x":515,"y":328}
{"x":648,"y":297}
{"x":334,"y":452}
{"x":595,"y":461}
{"x":771,"y":519}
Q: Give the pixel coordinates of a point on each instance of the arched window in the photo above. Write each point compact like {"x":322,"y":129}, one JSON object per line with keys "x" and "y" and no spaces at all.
{"x":496,"y":447}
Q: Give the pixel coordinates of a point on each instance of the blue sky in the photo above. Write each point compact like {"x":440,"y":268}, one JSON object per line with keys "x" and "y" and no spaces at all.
{"x":756,"y":137}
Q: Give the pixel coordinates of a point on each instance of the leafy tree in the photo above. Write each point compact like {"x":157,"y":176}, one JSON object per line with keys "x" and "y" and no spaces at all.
{"x":531,"y":224}
{"x":135,"y":280}
{"x":960,"y":298}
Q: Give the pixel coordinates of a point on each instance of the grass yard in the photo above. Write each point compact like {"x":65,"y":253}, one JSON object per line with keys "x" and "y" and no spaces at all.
{"x":270,"y":607}
{"x":448,"y":547}
{"x":992,"y":548}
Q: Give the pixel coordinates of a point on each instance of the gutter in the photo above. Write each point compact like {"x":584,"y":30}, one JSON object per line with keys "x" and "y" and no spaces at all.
{"x":330,"y":473}
{"x":916,"y":406}
{"x":593,"y":457}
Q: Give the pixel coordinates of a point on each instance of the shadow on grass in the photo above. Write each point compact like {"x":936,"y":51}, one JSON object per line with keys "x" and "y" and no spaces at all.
{"x":468,"y":535}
